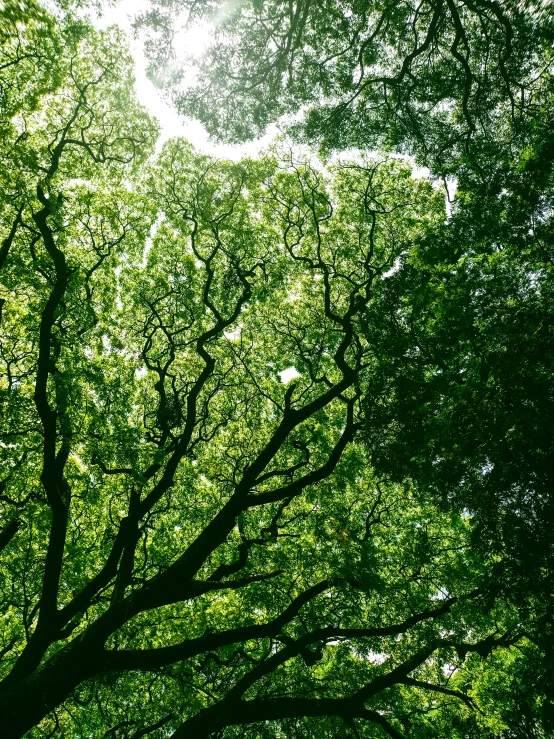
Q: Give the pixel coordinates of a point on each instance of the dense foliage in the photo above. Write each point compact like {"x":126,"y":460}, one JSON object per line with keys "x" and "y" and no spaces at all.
{"x":275,"y":453}
{"x":431,"y":77}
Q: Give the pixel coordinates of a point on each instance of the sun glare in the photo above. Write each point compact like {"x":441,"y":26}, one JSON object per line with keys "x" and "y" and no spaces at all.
{"x":189,"y":42}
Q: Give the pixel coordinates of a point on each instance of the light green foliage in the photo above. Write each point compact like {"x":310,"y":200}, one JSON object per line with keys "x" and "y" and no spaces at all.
{"x":190,"y":540}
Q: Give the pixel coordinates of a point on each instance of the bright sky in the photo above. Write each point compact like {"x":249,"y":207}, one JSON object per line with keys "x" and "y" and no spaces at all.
{"x":172,"y":124}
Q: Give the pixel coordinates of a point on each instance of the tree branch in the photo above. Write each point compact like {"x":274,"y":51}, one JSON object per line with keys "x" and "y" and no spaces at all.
{"x":147,"y":659}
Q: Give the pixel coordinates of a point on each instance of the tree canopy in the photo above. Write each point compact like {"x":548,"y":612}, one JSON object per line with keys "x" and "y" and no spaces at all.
{"x":428,"y":77}
{"x":275,"y":442}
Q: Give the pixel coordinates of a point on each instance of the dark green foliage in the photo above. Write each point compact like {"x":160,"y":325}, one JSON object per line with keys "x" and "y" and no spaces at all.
{"x":437,"y":78}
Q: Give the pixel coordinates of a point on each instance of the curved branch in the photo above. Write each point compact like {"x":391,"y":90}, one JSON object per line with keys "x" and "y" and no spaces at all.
{"x":440,"y":689}
{"x":241,"y":713}
{"x":148,"y":659}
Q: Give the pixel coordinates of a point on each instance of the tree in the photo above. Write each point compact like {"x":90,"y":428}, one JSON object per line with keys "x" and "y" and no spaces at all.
{"x":193,"y":537}
{"x":436,"y":78}
{"x":467,"y":366}
{"x":467,"y":377}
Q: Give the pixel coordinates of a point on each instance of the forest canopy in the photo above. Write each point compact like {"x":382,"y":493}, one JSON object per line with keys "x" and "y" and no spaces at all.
{"x":275,"y":434}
